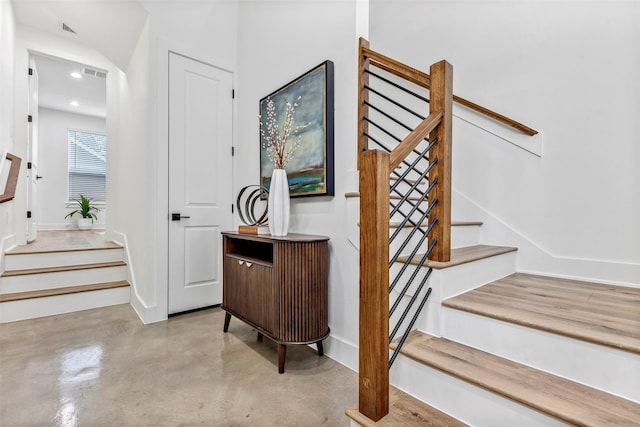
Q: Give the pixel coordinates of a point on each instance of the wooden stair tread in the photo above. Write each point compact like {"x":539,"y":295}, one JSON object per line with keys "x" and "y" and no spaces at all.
{"x":406,"y":410}
{"x":408,"y":180}
{"x":396,"y":224}
{"x":599,"y":313}
{"x":11,"y":273}
{"x":463,"y":255}
{"x":563,"y":399}
{"x":352,"y":194}
{"x":17,"y":296}
{"x":24,"y":250}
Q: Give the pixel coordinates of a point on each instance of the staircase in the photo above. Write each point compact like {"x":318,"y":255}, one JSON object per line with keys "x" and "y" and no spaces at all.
{"x":489,"y":346}
{"x":494,"y":347}
{"x":44,"y":281}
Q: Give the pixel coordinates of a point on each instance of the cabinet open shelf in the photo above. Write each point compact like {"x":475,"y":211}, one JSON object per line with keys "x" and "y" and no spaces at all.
{"x":251,"y":251}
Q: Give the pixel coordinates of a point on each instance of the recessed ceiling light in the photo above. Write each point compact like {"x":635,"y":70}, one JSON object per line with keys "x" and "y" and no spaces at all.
{"x":75,"y":103}
{"x":76,"y":75}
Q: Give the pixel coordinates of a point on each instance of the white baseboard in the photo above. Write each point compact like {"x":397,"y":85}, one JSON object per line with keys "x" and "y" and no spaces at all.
{"x":532,"y":144}
{"x":147,"y":313}
{"x":8,"y":242}
{"x":534,"y":259}
{"x":342,"y":352}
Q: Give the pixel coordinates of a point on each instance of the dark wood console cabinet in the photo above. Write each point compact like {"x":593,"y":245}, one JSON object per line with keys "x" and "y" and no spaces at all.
{"x":278,"y":285}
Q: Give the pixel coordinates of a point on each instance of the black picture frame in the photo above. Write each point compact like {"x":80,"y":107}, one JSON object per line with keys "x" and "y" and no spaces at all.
{"x":310,"y":171}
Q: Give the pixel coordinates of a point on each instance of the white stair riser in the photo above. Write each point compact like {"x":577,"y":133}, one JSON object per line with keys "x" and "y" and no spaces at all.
{"x":465,"y":235}
{"x":462,"y":400}
{"x":48,"y":306}
{"x":59,"y":259}
{"x":464,"y":277}
{"x":460,"y":279}
{"x":60,"y":279}
{"x":614,"y":371}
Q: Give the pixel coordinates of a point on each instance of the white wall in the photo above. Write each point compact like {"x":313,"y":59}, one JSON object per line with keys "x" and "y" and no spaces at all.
{"x":206,"y":31}
{"x":278,"y":41}
{"x":7,"y":43}
{"x":568,"y":69}
{"x":130,"y":201}
{"x":53,"y":166}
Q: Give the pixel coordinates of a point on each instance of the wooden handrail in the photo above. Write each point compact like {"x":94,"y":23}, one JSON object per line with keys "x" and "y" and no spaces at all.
{"x":398,"y":68}
{"x":423,"y":79}
{"x":12,"y":178}
{"x":412,"y":140}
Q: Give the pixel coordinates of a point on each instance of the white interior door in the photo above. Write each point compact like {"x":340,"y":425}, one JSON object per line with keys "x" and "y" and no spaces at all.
{"x":32,"y":155}
{"x":200,"y":192}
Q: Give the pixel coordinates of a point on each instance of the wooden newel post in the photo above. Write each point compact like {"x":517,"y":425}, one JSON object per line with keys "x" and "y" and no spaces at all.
{"x":374,"y":285}
{"x":441,"y":93}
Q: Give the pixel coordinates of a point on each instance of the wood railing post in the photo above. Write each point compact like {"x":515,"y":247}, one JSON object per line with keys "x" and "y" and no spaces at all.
{"x":374,"y":285}
{"x":441,"y":94}
{"x":363,"y":97}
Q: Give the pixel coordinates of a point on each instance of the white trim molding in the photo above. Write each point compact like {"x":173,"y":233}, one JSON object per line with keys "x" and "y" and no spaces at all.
{"x":532,"y":144}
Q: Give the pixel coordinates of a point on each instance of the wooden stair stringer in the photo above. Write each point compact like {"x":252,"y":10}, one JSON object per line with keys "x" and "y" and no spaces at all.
{"x":557,"y":397}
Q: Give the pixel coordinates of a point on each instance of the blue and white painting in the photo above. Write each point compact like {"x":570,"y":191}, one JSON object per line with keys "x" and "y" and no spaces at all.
{"x":310,"y":170}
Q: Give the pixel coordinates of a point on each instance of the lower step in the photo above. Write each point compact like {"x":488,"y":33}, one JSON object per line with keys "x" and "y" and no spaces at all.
{"x":49,"y":302}
{"x":57,"y":277}
{"x":483,"y":389}
{"x":593,"y":328}
{"x":405,"y":410}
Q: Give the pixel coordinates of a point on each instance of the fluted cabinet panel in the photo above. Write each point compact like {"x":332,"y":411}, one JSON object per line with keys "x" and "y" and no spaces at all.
{"x":302,"y":279}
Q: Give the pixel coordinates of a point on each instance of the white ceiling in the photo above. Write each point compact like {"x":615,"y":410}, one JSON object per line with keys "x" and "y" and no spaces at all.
{"x":111,"y":27}
{"x":56,"y":87}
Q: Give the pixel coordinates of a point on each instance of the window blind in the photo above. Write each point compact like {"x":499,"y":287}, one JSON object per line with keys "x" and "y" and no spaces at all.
{"x":87,"y":165}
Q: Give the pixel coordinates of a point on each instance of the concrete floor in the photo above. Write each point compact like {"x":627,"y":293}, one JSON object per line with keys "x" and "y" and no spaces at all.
{"x":103,"y":367}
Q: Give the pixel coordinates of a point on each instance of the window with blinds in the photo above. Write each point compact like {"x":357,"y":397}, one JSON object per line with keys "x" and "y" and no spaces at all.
{"x":87,"y":165}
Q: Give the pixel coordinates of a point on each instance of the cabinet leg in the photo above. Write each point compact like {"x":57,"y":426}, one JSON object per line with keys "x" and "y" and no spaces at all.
{"x":320,"y":348}
{"x":282,"y":354}
{"x":260,"y":337}
{"x":227,"y":319}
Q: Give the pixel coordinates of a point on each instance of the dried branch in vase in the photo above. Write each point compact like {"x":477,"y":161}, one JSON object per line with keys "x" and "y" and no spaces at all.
{"x":274,"y":141}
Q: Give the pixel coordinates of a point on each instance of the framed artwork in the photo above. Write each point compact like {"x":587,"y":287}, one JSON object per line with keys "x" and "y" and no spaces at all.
{"x":310,"y":170}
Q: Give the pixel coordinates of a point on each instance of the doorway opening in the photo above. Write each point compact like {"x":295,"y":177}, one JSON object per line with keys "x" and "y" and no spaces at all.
{"x":67,"y":141}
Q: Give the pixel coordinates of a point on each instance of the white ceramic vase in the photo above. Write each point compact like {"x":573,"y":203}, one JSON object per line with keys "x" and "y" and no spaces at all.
{"x":85,"y":223}
{"x":279,"y":203}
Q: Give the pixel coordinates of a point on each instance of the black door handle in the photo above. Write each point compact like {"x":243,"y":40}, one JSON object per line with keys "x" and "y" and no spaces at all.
{"x":38,"y":177}
{"x":178,"y":217}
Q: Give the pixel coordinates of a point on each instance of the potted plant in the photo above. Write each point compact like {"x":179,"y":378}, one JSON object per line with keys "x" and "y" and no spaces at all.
{"x":86,"y":209}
